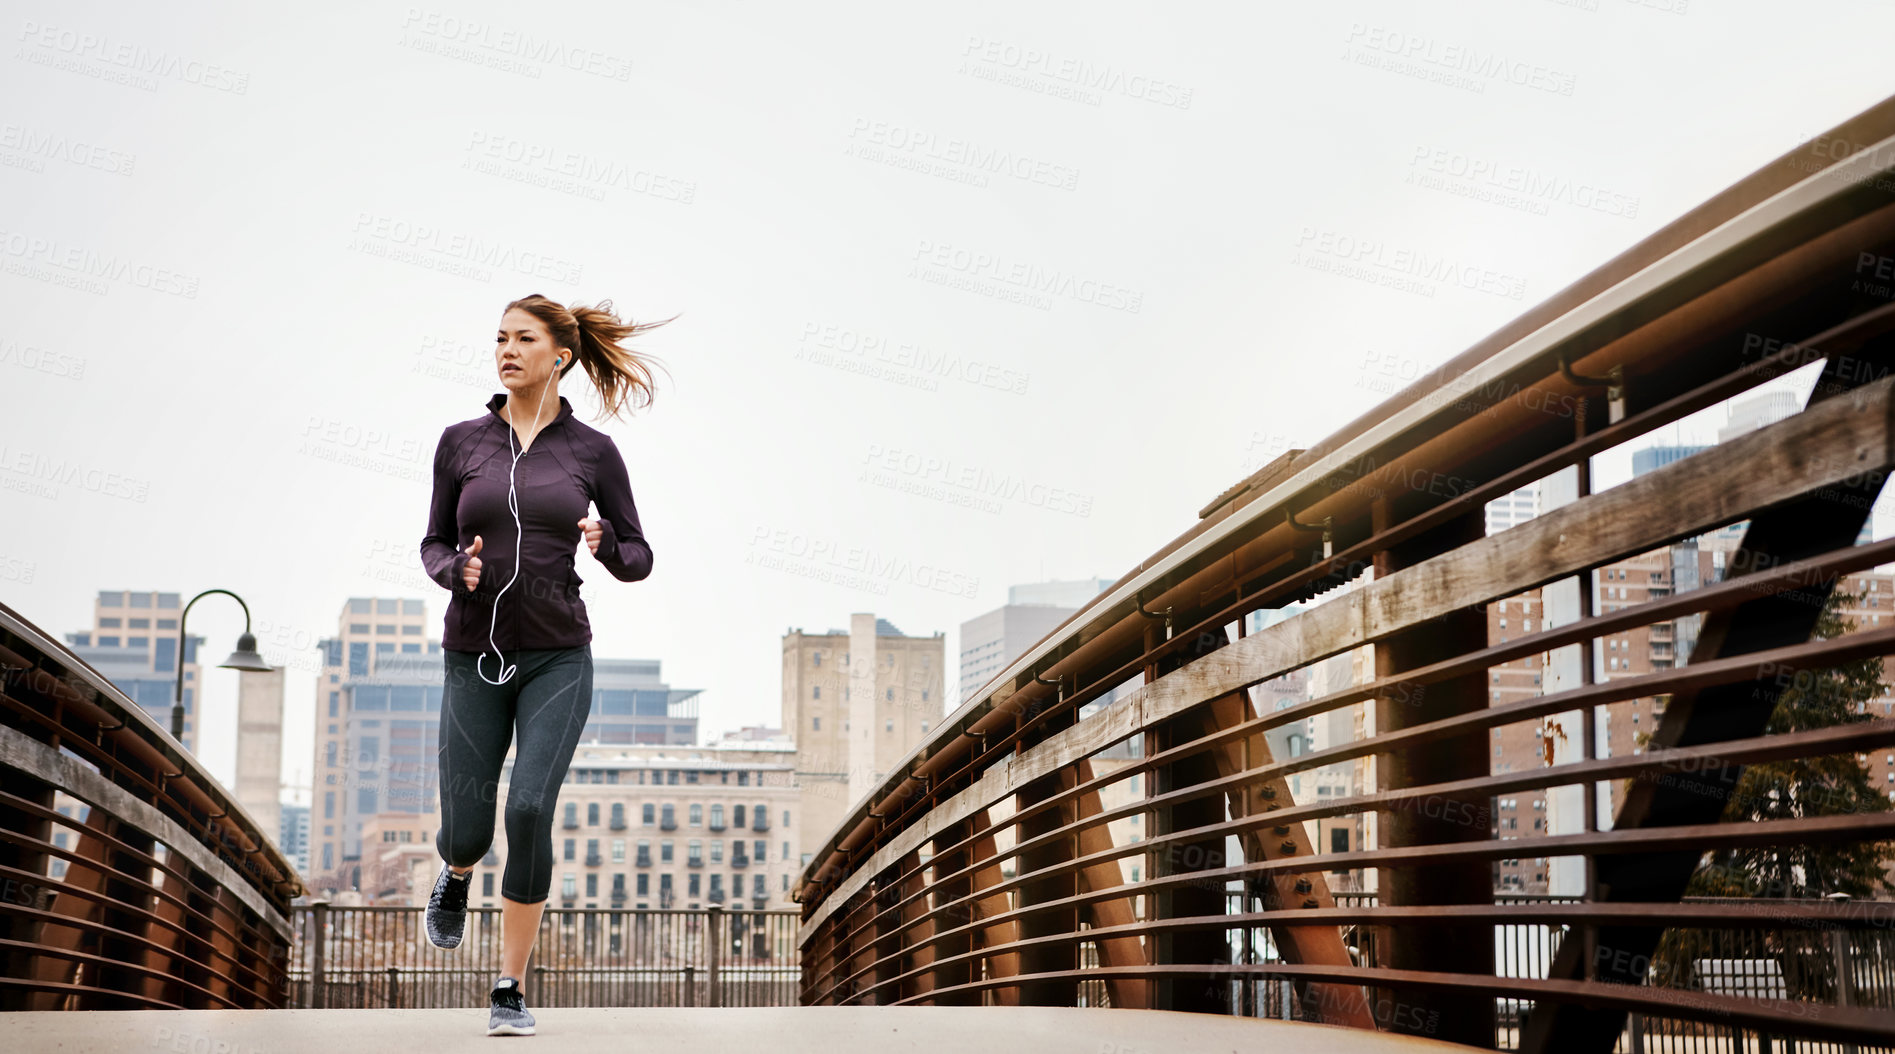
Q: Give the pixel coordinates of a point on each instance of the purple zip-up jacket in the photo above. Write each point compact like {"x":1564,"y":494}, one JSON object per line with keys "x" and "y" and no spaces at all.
{"x":568,"y":465}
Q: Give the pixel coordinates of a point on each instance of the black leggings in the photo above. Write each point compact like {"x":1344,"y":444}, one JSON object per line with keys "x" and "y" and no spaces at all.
{"x":545,"y":703}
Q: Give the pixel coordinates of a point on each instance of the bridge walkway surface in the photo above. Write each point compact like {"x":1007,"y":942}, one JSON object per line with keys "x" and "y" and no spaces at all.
{"x":777,"y":1030}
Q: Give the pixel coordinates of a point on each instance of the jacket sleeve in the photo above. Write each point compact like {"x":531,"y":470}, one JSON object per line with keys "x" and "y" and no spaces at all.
{"x":440,"y":547}
{"x":622,"y":546}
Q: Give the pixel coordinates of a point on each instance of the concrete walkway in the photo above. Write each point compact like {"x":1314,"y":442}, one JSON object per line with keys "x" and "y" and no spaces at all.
{"x":753,"y":1030}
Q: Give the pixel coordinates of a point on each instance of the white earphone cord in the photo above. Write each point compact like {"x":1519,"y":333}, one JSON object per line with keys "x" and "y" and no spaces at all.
{"x":513,"y":503}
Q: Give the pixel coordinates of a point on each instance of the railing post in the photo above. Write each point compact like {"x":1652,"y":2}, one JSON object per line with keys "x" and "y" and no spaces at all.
{"x":1466,"y":1017}
{"x":318,"y":938}
{"x":689,"y":997}
{"x":394,"y":987}
{"x":714,"y":936}
{"x":1845,"y":979}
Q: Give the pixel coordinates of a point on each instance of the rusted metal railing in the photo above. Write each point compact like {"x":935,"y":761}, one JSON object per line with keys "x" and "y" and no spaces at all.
{"x":1041,"y":849}
{"x":132,"y":880}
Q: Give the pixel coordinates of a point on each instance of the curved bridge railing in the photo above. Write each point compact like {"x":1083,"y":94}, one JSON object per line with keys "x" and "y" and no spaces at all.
{"x":131,"y":879}
{"x":985,"y":869}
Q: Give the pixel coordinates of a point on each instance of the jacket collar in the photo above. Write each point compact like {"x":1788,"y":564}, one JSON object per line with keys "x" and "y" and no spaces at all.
{"x":500,"y":399}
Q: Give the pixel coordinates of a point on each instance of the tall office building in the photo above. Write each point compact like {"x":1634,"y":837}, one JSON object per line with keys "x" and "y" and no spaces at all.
{"x":1514,"y":508}
{"x":992,"y":640}
{"x":378,"y":708}
{"x":371,"y":630}
{"x":293,"y":836}
{"x":1755,"y":411}
{"x":856,"y":702}
{"x":1654,"y":457}
{"x":134,"y":643}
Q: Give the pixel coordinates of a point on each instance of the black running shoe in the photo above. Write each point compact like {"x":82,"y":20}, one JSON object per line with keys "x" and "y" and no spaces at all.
{"x":506,"y":1010}
{"x":446,"y":916}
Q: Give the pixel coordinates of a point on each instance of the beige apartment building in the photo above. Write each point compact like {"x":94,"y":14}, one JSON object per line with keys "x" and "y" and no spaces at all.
{"x":855,"y":703}
{"x":649,"y":827}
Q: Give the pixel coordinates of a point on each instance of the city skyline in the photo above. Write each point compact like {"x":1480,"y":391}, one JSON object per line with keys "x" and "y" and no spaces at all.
{"x":846,"y":344}
{"x":1704,"y":429}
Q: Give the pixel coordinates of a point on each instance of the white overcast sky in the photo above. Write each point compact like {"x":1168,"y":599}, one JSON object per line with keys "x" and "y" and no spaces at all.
{"x":254,"y":402}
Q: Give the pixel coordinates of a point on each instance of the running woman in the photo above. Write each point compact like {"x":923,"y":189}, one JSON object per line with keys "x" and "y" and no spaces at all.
{"x":516,"y":644}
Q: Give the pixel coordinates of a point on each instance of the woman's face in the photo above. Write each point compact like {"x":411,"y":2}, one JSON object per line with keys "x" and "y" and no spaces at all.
{"x":523,"y":351}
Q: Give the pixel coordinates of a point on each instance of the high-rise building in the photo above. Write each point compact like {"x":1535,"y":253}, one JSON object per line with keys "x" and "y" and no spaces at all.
{"x":1753,"y":412}
{"x":1513,"y":508}
{"x":378,"y":708}
{"x":1655,"y":457}
{"x":992,"y":640}
{"x":370,"y":631}
{"x":293,"y":835}
{"x":134,"y":643}
{"x":855,"y":702}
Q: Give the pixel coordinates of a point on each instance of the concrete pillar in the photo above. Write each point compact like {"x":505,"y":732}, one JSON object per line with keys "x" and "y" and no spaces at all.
{"x":260,"y":747}
{"x":861,"y":705}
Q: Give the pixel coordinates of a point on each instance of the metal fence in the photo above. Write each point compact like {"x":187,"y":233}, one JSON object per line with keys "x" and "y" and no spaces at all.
{"x":380,"y":957}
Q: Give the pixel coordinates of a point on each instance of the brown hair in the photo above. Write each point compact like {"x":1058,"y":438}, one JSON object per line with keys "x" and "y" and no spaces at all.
{"x":594,"y":335}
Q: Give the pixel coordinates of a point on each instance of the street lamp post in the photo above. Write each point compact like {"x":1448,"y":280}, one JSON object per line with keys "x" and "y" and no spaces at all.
{"x":244,"y":658}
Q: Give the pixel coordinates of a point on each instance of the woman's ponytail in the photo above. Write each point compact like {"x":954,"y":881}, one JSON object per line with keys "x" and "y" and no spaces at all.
{"x":597,"y":337}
